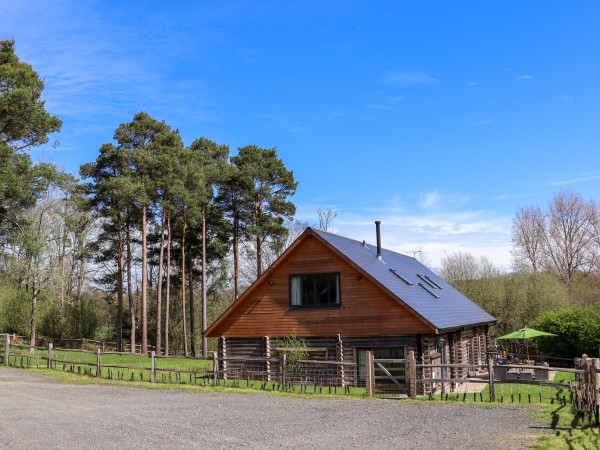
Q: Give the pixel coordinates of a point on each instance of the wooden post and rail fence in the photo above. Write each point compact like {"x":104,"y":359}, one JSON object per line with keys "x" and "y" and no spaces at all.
{"x":401,"y":374}
{"x":588,"y":377}
{"x":47,"y":356}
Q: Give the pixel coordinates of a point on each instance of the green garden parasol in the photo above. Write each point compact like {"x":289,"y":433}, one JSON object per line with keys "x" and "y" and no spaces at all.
{"x":525,"y":333}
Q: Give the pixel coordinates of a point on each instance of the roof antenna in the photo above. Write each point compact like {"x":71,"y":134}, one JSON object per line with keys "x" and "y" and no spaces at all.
{"x":415,"y":253}
{"x":378,"y":231}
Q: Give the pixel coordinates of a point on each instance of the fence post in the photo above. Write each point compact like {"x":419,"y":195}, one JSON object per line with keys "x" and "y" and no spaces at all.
{"x":412,"y":375}
{"x":268,"y":356}
{"x":584,"y":358}
{"x":6,"y":348}
{"x":369,"y":374}
{"x":215,"y":369}
{"x":282,"y":369}
{"x":50,"y":354}
{"x":153,"y":367}
{"x":224,"y":355}
{"x":98,"y":367}
{"x":339,"y":356}
{"x":596,"y":378}
{"x":491,"y":377}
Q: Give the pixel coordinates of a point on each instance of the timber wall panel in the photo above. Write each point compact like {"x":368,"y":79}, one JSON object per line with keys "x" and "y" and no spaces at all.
{"x":367,"y":310}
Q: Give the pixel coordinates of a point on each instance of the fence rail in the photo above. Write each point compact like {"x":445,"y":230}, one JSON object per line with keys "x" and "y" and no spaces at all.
{"x":411,"y":378}
{"x":268,"y":373}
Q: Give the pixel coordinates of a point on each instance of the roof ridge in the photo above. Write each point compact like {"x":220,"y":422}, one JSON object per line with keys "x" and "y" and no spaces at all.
{"x":357,"y":241}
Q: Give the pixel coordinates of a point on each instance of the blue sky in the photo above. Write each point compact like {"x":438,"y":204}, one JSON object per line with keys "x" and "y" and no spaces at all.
{"x":440,"y":119}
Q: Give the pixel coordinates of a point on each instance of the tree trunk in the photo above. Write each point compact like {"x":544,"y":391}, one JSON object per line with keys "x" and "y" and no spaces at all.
{"x":185,"y":341}
{"x":192,"y":312}
{"x":258,"y":257}
{"x":62,"y":274}
{"x":159,"y":285}
{"x":168,"y":287}
{"x":34,"y":294}
{"x":130,"y":291}
{"x":144,"y":349}
{"x":80,"y":280}
{"x":204,"y":341}
{"x":120,"y":287}
{"x":236,"y":256}
{"x":258,"y":216}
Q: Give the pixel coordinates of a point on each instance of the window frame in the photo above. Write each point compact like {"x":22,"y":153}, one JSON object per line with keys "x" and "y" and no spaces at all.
{"x":315,"y":306}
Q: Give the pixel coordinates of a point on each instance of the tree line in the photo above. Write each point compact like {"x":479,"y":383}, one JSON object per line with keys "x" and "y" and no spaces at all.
{"x":199,"y":202}
{"x":149,"y":218}
{"x":554,"y":284}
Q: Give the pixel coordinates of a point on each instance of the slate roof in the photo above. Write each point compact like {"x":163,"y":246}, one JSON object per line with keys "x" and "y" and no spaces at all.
{"x":451,"y":310}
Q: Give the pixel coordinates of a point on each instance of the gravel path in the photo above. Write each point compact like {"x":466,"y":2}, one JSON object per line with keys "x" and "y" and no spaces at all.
{"x":36,"y":411}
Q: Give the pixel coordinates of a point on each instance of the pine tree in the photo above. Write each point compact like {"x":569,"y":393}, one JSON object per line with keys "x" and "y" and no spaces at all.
{"x":268,"y":185}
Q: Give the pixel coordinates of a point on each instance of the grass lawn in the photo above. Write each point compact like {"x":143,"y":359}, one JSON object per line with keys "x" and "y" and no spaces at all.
{"x":85,"y":363}
{"x":567,"y":429}
{"x":201,"y":371}
{"x":511,"y":392}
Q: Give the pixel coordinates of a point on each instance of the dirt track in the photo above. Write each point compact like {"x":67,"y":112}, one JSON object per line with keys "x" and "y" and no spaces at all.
{"x":37,"y":411}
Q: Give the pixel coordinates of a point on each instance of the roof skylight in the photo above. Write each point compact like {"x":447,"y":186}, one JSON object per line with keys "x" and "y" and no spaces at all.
{"x":436,"y":285}
{"x":428,"y":281}
{"x":427,"y":289}
{"x":395,"y":272}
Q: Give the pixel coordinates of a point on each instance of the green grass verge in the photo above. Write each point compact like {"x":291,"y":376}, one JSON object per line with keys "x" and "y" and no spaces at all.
{"x":230,"y":387}
{"x":78,"y":362}
{"x":566,"y":429}
{"x":201,"y":371}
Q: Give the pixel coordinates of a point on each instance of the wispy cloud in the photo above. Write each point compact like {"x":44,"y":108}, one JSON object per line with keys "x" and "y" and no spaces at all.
{"x":430,"y":200}
{"x":572,"y":180}
{"x":474,"y":231}
{"x":567,"y":98}
{"x":380,"y":106}
{"x":436,"y":222}
{"x":407,"y":78}
{"x":472,"y":83}
{"x":284,"y":124}
{"x":525,"y":77}
{"x":483,"y":122}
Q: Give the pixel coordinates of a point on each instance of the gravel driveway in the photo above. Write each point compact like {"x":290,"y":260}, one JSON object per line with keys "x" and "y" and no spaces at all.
{"x":36,"y":411}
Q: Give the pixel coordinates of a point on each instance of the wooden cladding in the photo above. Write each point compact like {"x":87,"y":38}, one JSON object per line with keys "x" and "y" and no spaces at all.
{"x":365,"y":309}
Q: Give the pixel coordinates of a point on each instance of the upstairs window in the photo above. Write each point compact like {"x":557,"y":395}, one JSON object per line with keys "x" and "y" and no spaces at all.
{"x":314,"y":290}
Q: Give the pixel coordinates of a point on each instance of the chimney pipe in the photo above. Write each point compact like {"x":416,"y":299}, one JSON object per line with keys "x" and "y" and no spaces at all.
{"x":378,"y":230}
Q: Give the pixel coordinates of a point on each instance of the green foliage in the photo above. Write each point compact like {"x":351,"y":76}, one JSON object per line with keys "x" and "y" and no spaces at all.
{"x":24,"y":121}
{"x":294,"y":348}
{"x":268,"y":185}
{"x":15,"y":308}
{"x":577,"y":329}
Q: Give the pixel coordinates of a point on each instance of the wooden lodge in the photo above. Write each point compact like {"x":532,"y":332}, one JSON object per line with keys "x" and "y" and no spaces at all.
{"x":345,"y":298}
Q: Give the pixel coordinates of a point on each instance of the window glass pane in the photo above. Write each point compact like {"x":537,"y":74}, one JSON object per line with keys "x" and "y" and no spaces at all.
{"x":322,"y":292}
{"x":296,"y":291}
{"x":334,"y":288}
{"x":308,"y":290}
